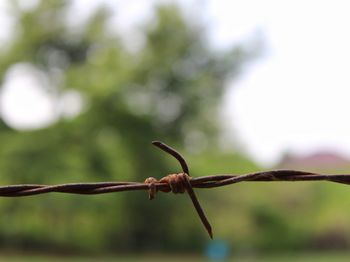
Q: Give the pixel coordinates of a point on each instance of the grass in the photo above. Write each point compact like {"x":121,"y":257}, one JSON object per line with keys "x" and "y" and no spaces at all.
{"x":315,"y":257}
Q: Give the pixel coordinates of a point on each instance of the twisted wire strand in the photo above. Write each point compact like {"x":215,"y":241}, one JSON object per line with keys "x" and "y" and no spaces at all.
{"x":176,"y":183}
{"x":199,"y":182}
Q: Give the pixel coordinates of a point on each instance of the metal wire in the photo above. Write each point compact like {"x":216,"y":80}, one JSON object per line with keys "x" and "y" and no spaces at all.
{"x":199,"y":182}
{"x":176,"y":183}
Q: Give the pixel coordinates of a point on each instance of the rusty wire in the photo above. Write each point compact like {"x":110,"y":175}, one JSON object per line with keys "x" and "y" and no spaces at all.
{"x":176,"y":183}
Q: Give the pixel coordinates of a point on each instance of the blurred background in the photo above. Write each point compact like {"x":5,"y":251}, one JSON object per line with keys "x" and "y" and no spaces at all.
{"x":237,"y":87}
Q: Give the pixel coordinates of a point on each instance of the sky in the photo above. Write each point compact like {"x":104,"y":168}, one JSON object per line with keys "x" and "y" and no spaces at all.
{"x":295,"y":98}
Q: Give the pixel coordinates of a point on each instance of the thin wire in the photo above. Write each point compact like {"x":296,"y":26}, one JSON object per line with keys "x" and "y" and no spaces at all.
{"x":176,"y":183}
{"x":199,"y":182}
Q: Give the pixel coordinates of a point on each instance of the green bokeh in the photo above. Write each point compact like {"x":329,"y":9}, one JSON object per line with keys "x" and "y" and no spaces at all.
{"x":171,"y":90}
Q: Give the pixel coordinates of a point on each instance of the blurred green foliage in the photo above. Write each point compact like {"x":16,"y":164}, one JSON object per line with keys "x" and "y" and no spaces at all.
{"x":170,"y":89}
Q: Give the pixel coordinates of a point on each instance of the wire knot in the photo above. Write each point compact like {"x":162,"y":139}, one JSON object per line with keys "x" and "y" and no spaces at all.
{"x":177,"y":183}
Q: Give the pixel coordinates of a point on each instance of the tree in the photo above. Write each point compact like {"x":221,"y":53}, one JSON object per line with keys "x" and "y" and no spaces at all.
{"x":170,"y":90}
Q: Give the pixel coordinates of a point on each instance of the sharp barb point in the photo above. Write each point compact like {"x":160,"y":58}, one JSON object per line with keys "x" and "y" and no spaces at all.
{"x":171,"y":151}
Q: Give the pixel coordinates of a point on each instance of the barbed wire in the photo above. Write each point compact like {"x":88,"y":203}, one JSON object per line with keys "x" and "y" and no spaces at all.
{"x":176,"y":183}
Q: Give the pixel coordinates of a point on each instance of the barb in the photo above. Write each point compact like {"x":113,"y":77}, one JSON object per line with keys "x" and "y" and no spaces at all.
{"x":179,"y":183}
{"x":176,"y":183}
{"x":174,"y":153}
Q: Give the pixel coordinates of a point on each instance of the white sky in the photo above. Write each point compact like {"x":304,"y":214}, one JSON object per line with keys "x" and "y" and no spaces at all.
{"x":23,"y":103}
{"x":296,"y":98}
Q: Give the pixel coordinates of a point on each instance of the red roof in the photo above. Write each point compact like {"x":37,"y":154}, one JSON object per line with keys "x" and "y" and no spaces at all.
{"x":318,"y":160}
